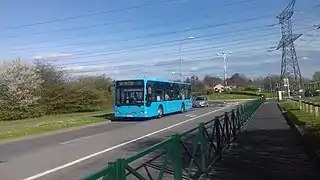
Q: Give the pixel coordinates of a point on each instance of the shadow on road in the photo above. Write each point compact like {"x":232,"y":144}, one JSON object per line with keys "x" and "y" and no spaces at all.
{"x":107,"y":116}
{"x":256,"y":154}
{"x":266,"y":154}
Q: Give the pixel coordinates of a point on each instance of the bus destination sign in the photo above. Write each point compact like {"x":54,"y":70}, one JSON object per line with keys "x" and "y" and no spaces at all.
{"x":130,"y":83}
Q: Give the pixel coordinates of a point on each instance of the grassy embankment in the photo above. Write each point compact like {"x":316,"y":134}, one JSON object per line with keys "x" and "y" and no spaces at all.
{"x":237,"y":95}
{"x":307,"y":121}
{"x":32,"y":126}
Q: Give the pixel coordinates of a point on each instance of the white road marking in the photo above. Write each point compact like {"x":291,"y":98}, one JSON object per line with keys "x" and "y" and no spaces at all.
{"x":117,"y":146}
{"x":78,"y":139}
{"x":191,"y":115}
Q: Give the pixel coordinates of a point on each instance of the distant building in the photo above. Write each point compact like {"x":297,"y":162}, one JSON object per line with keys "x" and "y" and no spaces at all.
{"x":218,"y":88}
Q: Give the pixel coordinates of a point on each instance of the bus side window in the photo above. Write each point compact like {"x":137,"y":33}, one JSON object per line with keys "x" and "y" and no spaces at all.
{"x":149,"y":95}
{"x":189,"y":92}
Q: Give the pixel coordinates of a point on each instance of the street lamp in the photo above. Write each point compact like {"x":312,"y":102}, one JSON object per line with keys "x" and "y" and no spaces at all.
{"x":270,"y":83}
{"x":177,"y":73}
{"x":180,"y":49}
{"x":224,"y":55}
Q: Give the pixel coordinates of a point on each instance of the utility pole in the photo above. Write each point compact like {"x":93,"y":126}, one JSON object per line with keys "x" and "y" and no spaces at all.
{"x":224,"y":55}
{"x":270,"y":84}
{"x":180,"y":56}
{"x":289,"y":64}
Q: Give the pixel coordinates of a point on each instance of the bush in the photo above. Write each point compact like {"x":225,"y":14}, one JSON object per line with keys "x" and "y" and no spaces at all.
{"x":250,"y":89}
{"x":28,"y":91}
{"x":244,"y":93}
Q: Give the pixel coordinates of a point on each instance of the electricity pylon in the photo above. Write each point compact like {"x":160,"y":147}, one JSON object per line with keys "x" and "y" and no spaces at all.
{"x":289,"y":65}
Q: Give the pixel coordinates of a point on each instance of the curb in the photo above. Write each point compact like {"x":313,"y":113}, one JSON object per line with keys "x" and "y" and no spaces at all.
{"x":49,"y":133}
{"x":315,"y":156}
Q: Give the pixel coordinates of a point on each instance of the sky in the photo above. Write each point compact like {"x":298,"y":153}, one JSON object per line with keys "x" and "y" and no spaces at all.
{"x":130,"y":39}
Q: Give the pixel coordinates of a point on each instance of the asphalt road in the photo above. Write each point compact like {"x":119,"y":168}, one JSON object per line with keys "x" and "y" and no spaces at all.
{"x":72,"y":155}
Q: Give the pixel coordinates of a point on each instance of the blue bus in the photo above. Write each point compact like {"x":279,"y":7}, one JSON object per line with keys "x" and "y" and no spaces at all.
{"x":147,"y":97}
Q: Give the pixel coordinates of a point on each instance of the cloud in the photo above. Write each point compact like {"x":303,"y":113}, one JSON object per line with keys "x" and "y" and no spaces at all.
{"x":305,"y":58}
{"x":252,"y":65}
{"x":74,"y":68}
{"x":52,"y":55}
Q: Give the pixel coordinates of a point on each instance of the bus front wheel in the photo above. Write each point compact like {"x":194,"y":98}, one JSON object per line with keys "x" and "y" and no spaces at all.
{"x":160,"y":112}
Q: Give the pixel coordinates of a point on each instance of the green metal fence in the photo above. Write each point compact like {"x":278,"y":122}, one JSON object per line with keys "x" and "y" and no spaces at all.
{"x":189,"y":155}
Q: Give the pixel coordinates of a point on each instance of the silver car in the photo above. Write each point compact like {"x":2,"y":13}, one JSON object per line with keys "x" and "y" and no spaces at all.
{"x":200,"y":101}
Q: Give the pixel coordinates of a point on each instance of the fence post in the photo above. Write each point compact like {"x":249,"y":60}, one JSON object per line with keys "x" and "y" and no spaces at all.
{"x":316,"y":110}
{"x":300,"y":104}
{"x":306,"y":109}
{"x":120,"y":169}
{"x":113,"y":170}
{"x":218,"y":136}
{"x":174,"y":153}
{"x":226,"y":121}
{"x":202,"y":145}
{"x":233,"y":121}
{"x":242,"y":114}
{"x":311,"y":108}
{"x":238,"y":118}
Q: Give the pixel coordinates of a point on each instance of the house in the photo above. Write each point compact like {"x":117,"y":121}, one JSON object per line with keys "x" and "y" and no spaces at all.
{"x":218,"y":88}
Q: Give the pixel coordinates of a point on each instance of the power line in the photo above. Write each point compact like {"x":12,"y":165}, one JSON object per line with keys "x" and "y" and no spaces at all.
{"x":136,"y":48}
{"x":139,"y":66}
{"x":207,"y":48}
{"x":177,"y":41}
{"x":89,"y":15}
{"x":191,"y":29}
{"x":104,"y":12}
{"x":142,"y":37}
{"x":176,"y":53}
{"x":124,"y":21}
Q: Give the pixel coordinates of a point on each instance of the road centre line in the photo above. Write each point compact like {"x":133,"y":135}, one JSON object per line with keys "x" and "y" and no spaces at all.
{"x":118,"y":146}
{"x":78,"y":139}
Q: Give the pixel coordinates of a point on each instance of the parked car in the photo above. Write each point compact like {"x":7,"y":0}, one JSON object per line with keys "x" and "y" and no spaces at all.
{"x":201,"y":101}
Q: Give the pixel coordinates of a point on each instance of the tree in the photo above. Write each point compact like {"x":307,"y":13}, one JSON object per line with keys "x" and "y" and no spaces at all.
{"x":271,"y":82}
{"x":316,"y":76}
{"x":20,"y":93}
{"x":101,"y":83}
{"x":196,"y":83}
{"x":55,"y":83}
{"x":238,"y":80}
{"x":188,"y":80}
{"x":211,"y":81}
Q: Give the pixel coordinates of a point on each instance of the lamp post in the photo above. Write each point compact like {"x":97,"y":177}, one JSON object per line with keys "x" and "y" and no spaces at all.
{"x":180,"y":51}
{"x":224,"y":55}
{"x":178,"y":73}
{"x":270,"y":83}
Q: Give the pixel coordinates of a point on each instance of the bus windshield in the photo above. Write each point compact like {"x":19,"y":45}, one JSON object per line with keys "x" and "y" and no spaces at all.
{"x":130,"y":95}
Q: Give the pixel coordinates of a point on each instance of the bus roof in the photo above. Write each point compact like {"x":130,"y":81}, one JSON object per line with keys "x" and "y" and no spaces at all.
{"x":152,"y":79}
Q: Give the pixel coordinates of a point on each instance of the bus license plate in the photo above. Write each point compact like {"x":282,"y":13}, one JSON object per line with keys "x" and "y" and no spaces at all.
{"x":129,"y":116}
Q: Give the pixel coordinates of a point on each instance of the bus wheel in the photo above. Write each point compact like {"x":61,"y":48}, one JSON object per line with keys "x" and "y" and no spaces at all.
{"x":160,"y":112}
{"x":182,"y":108}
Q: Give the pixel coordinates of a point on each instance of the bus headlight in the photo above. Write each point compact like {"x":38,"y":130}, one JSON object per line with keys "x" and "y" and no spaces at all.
{"x":144,"y":112}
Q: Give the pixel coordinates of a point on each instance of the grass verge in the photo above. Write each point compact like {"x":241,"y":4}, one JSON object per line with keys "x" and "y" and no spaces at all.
{"x":309,"y":122}
{"x":316,"y":101}
{"x":32,"y":129}
{"x":50,"y":118}
{"x":221,"y":96}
